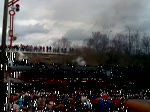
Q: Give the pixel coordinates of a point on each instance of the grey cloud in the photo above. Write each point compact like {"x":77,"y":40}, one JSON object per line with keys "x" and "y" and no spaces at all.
{"x":121,"y":13}
{"x":76,"y":35}
{"x":24,"y":30}
{"x":100,"y":14}
{"x":75,"y":10}
{"x":143,"y":28}
{"x":37,"y":9}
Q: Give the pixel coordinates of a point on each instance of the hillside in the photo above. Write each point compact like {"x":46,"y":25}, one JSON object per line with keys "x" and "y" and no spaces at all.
{"x":47,"y":58}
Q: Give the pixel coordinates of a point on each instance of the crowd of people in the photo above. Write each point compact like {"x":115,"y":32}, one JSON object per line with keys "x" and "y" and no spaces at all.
{"x":40,"y":48}
{"x":31,"y":102}
{"x":77,"y":101}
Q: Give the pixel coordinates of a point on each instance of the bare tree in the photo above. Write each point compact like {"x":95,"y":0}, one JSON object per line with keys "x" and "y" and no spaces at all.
{"x":119,"y":43}
{"x":62,"y":44}
{"x":98,"y":41}
{"x":146,"y":43}
{"x":132,"y":43}
{"x":136,"y":43}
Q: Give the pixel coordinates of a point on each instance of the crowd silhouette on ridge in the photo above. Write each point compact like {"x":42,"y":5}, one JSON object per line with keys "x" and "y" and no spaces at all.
{"x":31,"y":48}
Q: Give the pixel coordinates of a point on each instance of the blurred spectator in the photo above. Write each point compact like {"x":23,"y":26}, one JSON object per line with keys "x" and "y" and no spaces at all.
{"x":50,"y":107}
{"x":16,"y":107}
{"x":105,"y":103}
{"x":21,"y":101}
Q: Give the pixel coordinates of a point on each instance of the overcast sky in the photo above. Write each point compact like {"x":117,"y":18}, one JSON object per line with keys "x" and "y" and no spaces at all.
{"x":40,"y":22}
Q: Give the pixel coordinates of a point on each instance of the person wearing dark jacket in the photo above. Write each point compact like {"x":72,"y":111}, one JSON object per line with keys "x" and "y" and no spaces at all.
{"x":105,"y":104}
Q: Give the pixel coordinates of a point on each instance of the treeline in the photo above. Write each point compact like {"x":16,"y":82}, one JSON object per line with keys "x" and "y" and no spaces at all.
{"x":121,"y":49}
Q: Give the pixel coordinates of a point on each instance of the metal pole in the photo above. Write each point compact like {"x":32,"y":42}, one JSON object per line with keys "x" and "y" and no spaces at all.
{"x":109,"y":33}
{"x":10,"y":58}
{"x":8,"y":105}
{"x":3,"y":57}
{"x":108,"y":37}
{"x":129,"y":39}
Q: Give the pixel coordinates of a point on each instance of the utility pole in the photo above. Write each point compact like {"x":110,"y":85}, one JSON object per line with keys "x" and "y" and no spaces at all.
{"x":129,"y":46}
{"x":108,"y":37}
{"x":3,"y":57}
{"x":129,"y":40}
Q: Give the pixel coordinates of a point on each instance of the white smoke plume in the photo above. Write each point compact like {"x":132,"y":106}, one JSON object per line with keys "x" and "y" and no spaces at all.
{"x":21,"y":56}
{"x":80,"y":61}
